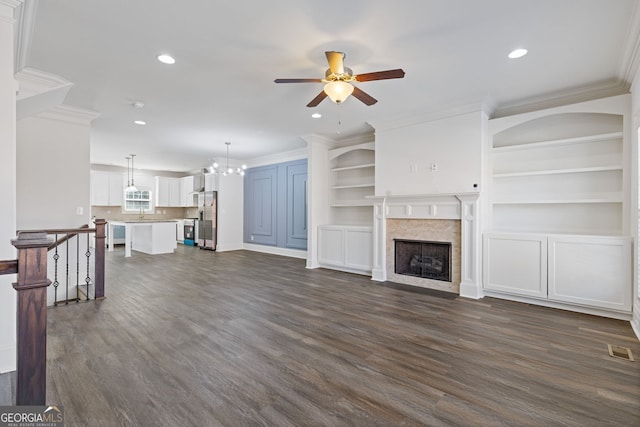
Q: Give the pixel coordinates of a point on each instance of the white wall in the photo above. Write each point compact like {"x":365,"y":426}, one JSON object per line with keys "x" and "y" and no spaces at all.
{"x":635,"y":152}
{"x":404,"y":157}
{"x":7,"y":187}
{"x":53,"y":170}
{"x":230,"y":212}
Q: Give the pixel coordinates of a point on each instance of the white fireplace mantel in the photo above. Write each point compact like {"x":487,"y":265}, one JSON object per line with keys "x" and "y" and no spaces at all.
{"x":462,"y":206}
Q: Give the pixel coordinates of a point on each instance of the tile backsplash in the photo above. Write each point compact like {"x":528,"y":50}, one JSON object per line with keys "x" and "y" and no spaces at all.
{"x":115,"y":213}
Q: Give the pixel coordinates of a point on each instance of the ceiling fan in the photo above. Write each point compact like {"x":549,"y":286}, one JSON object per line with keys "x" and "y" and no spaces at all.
{"x":338,"y":80}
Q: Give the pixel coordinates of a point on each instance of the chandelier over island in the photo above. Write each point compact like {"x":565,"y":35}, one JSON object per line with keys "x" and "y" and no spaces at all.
{"x":215,"y":167}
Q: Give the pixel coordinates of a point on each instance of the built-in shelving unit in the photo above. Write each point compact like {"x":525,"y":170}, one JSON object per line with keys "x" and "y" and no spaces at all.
{"x":558,"y":228}
{"x":351,"y":181}
{"x":570,"y":185}
{"x":346,"y":242}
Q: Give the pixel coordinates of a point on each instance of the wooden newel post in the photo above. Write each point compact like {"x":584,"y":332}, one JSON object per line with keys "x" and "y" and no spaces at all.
{"x":32,"y":317}
{"x":99,"y":261}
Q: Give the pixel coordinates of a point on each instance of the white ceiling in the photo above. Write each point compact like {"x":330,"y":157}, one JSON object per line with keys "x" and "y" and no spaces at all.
{"x":228,"y":53}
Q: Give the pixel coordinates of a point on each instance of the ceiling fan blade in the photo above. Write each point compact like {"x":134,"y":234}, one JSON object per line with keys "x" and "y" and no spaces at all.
{"x":336,"y":61}
{"x":363,"y":96}
{"x":381,"y":75}
{"x":298,"y":81}
{"x":318,"y":99}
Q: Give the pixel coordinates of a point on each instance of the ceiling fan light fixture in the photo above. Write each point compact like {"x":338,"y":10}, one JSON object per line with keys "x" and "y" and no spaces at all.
{"x":338,"y":91}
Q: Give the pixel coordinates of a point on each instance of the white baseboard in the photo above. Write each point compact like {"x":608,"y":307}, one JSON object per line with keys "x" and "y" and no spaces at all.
{"x":562,"y":306}
{"x":635,"y":319}
{"x":293,"y":253}
{"x":471,"y":290}
{"x":226,"y":248}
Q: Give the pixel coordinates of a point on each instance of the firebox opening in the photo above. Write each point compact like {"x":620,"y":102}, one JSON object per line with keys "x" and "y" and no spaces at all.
{"x":425,"y":259}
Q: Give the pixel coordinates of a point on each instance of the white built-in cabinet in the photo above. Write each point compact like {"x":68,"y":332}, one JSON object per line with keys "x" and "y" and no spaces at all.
{"x":347,"y":243}
{"x":588,"y":271}
{"x":558,"y":227}
{"x":346,"y":247}
{"x":107,"y":188}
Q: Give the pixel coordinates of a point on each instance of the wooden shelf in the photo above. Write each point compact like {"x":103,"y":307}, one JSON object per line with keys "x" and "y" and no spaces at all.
{"x":343,"y":187}
{"x":350,"y":203}
{"x":347,"y":168}
{"x":579,"y":198}
{"x":558,"y":171}
{"x":559,"y":142}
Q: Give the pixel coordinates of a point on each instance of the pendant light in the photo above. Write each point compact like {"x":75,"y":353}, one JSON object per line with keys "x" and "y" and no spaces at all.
{"x":130,"y":185}
{"x":228,"y":170}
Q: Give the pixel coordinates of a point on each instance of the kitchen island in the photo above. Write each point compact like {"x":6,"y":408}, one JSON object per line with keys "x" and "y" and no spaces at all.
{"x":146,"y":235}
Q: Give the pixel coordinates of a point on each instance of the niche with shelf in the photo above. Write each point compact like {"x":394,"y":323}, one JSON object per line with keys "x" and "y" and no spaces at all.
{"x":561,"y":173}
{"x":351,"y":181}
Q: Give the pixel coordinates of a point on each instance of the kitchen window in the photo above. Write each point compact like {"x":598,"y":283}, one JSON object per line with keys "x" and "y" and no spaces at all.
{"x":138,"y":201}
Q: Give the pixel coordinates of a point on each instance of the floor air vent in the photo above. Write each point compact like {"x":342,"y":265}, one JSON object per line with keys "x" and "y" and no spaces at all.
{"x":620,"y":352}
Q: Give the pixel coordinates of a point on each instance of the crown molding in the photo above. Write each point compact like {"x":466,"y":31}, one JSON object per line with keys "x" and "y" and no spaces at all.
{"x":317,"y":139}
{"x":7,"y":13}
{"x":26,"y":18}
{"x":11,"y":3}
{"x":65,"y":113}
{"x":631,"y":49}
{"x":558,"y":99}
{"x":430,"y":116}
{"x":34,"y":82}
{"x":287,"y":156}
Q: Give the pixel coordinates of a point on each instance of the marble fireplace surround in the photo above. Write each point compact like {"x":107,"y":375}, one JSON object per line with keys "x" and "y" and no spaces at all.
{"x":461,"y":213}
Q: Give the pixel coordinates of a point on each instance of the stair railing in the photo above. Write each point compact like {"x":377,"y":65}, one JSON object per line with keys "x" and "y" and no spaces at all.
{"x":31,"y":286}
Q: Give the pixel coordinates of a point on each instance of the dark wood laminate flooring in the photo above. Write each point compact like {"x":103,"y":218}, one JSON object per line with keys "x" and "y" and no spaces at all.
{"x":240,"y":338}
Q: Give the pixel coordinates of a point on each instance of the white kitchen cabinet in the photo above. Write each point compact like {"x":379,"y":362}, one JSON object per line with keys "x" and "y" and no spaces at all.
{"x":347,"y":248}
{"x":106,"y":188}
{"x":211,"y":182}
{"x":188,"y":196}
{"x":167,"y":191}
{"x":579,"y":271}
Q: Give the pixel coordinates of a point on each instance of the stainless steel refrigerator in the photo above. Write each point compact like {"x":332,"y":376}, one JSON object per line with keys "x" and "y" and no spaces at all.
{"x":208,"y":220}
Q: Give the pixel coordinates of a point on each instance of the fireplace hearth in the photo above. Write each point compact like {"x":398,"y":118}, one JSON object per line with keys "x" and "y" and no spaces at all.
{"x":424,"y":259}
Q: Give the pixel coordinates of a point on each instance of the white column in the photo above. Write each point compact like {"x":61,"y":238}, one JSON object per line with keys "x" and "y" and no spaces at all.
{"x":471,"y":283}
{"x":379,"y":271}
{"x":318,"y":210}
{"x":7,"y":183}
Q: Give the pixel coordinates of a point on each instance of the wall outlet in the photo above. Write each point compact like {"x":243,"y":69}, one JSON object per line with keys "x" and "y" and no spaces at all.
{"x":252,"y":238}
{"x":79,"y":210}
{"x":434,"y":167}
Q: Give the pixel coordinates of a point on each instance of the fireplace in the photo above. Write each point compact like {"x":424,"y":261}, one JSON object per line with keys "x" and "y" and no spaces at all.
{"x":425,"y":259}
{"x":433,"y":218}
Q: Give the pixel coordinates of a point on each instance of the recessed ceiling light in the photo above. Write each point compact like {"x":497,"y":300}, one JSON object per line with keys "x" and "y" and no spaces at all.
{"x":166,"y":59}
{"x":316,"y":115}
{"x":518,"y":53}
{"x":140,"y":122}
